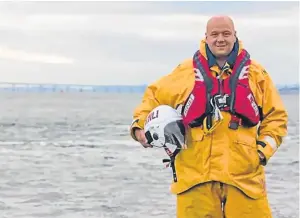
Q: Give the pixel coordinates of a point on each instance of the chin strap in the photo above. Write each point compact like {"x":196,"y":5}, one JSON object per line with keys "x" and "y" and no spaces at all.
{"x":171,"y":162}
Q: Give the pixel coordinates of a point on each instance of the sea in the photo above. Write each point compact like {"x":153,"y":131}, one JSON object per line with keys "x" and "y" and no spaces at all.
{"x":69,"y":155}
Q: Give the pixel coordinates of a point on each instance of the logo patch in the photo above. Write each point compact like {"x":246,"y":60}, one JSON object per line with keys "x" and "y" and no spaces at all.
{"x":188,"y":104}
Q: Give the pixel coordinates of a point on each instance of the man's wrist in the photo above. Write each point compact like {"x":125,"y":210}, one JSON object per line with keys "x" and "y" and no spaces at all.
{"x":134,"y":130}
{"x":262,"y":158}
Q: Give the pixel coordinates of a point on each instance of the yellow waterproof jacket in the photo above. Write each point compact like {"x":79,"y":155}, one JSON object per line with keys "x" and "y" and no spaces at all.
{"x":225,"y":155}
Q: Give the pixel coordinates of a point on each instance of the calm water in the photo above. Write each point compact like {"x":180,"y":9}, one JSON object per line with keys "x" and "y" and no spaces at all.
{"x":69,"y":155}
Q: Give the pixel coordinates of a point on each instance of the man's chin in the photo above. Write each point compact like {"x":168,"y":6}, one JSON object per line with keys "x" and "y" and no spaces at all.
{"x":221,"y":53}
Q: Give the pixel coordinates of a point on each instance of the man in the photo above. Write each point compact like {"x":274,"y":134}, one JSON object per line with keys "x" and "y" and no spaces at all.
{"x":235,"y":121}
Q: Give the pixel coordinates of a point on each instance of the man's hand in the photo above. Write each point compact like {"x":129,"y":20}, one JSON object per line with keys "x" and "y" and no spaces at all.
{"x":140,"y":136}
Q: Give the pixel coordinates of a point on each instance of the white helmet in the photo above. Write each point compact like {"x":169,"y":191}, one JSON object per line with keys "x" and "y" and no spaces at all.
{"x":164,"y":128}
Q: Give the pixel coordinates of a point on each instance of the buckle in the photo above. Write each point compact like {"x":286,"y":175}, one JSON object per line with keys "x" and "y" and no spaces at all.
{"x":221,"y":101}
{"x":234,"y":122}
{"x":233,"y":125}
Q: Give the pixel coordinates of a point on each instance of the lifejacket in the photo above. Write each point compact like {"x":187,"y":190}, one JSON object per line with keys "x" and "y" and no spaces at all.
{"x":232,"y":94}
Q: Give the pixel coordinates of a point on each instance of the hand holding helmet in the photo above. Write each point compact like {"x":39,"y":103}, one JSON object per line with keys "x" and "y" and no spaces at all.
{"x":164,"y":128}
{"x":140,"y":136}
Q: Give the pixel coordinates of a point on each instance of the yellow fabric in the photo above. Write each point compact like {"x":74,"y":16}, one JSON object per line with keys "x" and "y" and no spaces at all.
{"x":217,"y":200}
{"x":225,"y":155}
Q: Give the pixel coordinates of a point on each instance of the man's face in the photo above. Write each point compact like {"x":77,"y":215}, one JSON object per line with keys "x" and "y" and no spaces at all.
{"x":220,"y":37}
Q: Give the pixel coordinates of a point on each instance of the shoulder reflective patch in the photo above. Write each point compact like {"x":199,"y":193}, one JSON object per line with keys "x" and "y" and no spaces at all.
{"x":264,"y":72}
{"x":178,"y":66}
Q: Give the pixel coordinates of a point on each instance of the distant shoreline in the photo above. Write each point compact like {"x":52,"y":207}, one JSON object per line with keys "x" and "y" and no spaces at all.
{"x":42,"y":88}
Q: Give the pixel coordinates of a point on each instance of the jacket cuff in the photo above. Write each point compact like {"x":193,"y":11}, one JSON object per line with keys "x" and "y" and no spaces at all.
{"x":134,"y":126}
{"x":268,"y":147}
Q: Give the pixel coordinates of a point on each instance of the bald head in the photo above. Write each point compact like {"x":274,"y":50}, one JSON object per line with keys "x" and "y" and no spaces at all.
{"x":220,"y":35}
{"x":219,"y":21}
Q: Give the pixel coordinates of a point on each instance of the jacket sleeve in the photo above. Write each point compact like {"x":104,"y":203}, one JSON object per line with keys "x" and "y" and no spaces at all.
{"x":164,"y":91}
{"x":273,"y":126}
{"x":149,"y":102}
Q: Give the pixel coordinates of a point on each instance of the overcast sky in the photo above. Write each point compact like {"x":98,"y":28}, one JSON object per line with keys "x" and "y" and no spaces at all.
{"x":124,"y":43}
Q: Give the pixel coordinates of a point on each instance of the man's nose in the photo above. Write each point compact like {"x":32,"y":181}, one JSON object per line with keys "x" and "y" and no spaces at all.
{"x":220,"y":38}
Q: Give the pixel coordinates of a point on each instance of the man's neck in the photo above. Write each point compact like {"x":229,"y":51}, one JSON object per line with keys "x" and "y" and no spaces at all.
{"x":221,"y":61}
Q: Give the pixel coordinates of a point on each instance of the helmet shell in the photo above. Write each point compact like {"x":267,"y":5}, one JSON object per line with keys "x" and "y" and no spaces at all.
{"x":164,"y":127}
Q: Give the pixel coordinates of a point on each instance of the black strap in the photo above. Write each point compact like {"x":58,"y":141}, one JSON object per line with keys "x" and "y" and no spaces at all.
{"x":172,"y":165}
{"x":172,"y":161}
{"x":209,"y":121}
{"x":148,"y":137}
{"x":261,"y":143}
{"x":173,"y":169}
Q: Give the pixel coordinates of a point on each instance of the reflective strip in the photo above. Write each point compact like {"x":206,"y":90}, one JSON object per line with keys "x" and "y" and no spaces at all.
{"x":179,"y":108}
{"x":271,"y":141}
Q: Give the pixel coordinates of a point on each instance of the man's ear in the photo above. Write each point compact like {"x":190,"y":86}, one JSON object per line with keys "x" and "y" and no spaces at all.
{"x":205,"y":35}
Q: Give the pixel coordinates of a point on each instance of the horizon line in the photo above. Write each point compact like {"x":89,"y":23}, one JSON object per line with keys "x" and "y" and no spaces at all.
{"x":74,"y":84}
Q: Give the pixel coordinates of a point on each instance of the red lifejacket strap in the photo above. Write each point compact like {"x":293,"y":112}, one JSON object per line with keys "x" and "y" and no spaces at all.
{"x":197,"y":105}
{"x":242,"y":102}
{"x":242,"y":60}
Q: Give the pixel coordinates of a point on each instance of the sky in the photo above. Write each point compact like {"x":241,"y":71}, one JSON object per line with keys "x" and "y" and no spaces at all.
{"x":134,"y":43}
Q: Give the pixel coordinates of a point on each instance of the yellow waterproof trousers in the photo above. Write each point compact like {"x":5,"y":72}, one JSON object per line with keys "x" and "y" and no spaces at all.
{"x":218,"y":200}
